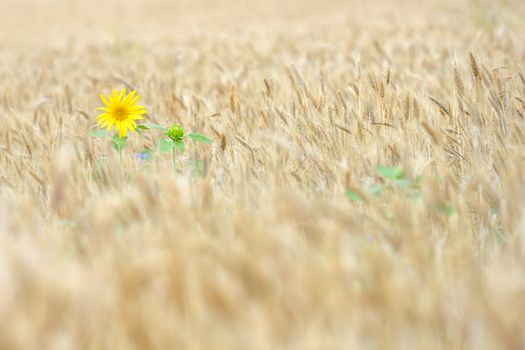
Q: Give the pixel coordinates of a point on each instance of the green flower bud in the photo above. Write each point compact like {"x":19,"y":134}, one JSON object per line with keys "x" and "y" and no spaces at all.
{"x":175,"y":132}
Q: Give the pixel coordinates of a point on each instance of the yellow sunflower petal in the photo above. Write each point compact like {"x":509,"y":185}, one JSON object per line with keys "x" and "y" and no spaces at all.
{"x":104,"y":115}
{"x":137,"y":108}
{"x":121,"y":94}
{"x":128,"y":98}
{"x":134,"y":100}
{"x":103,"y":99}
{"x":104,"y":118}
{"x":120,"y":111}
{"x":122,"y":132}
{"x":106,"y":123}
{"x":110,"y":124}
{"x":127,"y":125}
{"x":137,"y":111}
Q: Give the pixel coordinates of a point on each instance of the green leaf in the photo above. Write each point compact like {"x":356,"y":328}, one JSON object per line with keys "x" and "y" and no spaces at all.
{"x":391,"y":173}
{"x":403,"y":183}
{"x":180,"y":146}
{"x":166,"y":145}
{"x":152,"y":126}
{"x":98,"y":133}
{"x":354,"y":197}
{"x":118,"y":143}
{"x":141,"y":128}
{"x":199,"y":138}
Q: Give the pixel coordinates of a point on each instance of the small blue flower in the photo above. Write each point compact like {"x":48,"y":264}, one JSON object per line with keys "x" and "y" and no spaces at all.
{"x":144,"y":155}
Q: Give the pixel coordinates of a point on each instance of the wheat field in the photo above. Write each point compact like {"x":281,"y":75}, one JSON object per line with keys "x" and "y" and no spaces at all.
{"x":286,"y":235}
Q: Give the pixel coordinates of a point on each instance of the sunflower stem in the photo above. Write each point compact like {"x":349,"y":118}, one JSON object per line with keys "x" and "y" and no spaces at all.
{"x":173,"y":162}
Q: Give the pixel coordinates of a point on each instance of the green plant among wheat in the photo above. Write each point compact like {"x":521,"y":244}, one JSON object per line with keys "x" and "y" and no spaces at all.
{"x":120,"y":113}
{"x":395,"y":181}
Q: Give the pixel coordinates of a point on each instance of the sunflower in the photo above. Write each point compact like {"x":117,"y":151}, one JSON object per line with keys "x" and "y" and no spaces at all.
{"x":120,"y":111}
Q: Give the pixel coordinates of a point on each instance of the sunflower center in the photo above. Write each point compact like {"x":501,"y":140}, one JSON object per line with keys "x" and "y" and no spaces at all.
{"x":120,"y":113}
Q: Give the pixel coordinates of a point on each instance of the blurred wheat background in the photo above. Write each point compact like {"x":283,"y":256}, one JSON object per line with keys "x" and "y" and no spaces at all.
{"x":262,"y":250}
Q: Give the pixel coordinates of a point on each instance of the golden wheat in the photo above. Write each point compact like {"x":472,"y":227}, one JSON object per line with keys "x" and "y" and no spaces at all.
{"x":263,"y":250}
